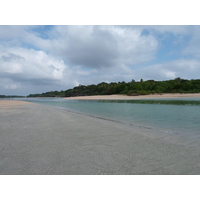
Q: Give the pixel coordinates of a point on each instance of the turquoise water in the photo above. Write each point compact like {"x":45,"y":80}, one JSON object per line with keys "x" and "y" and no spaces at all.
{"x":180,"y":116}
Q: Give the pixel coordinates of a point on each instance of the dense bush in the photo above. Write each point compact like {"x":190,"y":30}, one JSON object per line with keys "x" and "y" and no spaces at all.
{"x":141,"y":87}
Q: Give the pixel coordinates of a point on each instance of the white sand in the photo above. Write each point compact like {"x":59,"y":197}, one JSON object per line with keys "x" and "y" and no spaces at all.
{"x":155,"y":96}
{"x":38,"y":139}
{"x":6,"y":104}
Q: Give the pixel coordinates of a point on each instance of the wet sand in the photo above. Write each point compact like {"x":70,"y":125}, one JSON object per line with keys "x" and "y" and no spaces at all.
{"x":152,"y":96}
{"x":39,"y":140}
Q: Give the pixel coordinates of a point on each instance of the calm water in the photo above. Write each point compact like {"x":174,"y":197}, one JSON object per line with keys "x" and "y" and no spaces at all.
{"x":181,"y":116}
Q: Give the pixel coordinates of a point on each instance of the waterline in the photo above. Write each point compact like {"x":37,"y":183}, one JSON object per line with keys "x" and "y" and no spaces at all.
{"x":172,"y":116}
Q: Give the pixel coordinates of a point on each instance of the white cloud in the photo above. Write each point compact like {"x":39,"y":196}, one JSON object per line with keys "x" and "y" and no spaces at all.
{"x":98,"y":46}
{"x":11,"y":63}
{"x":174,"y":29}
{"x":33,"y":63}
{"x":28,"y":66}
{"x":184,"y":68}
{"x":12,"y":32}
{"x":34,"y":40}
{"x":73,"y":55}
{"x":193,"y":48}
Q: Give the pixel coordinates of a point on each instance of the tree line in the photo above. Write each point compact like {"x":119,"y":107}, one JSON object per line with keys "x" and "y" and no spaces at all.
{"x":131,"y":88}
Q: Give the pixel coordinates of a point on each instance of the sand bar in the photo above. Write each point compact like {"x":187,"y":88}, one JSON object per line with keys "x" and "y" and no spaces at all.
{"x":153,"y":96}
{"x":7,"y":104}
{"x":38,"y":140}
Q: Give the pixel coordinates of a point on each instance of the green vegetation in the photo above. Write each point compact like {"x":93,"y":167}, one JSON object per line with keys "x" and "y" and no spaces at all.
{"x":165,"y":102}
{"x":49,"y":94}
{"x":132,"y":88}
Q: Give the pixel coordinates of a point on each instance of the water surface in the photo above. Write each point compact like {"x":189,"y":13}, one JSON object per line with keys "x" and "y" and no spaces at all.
{"x":178,"y":116}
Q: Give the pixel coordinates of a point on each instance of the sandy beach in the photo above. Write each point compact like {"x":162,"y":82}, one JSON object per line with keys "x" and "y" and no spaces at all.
{"x":39,"y":140}
{"x":152,"y":96}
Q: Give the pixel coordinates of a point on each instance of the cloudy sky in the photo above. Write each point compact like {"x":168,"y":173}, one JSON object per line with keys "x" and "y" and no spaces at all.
{"x":36,"y":59}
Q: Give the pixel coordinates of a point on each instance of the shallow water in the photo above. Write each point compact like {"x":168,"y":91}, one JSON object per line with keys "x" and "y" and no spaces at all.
{"x":39,"y":139}
{"x":44,"y":140}
{"x":179,"y":116}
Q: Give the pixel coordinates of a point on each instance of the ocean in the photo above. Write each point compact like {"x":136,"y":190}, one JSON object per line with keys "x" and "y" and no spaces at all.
{"x":173,"y":116}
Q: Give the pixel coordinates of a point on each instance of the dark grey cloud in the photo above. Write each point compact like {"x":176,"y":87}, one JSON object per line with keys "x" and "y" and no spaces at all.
{"x":102,"y":46}
{"x":97,"y":49}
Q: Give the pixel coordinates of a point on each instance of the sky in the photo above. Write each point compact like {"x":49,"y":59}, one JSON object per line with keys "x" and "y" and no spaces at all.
{"x":95,"y":41}
{"x":41,"y":58}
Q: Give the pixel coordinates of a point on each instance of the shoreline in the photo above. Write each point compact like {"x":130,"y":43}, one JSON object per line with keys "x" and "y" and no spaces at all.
{"x":125,"y":97}
{"x":44,"y":140}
